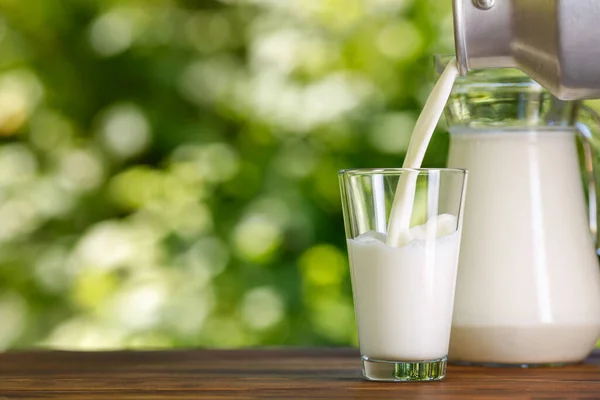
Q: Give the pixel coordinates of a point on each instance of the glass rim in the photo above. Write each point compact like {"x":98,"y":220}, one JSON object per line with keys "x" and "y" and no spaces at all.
{"x":399,"y":171}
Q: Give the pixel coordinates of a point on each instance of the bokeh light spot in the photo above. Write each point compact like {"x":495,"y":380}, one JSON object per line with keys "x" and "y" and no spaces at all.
{"x":208,"y":81}
{"x":115,"y":31}
{"x":136,"y":187}
{"x":322,"y":265}
{"x":20,"y":93}
{"x":188,"y":307}
{"x":92,"y":287}
{"x":50,"y":269}
{"x":188,"y":219}
{"x":125,"y":130}
{"x":276,"y":51}
{"x":262,"y":308}
{"x":137,"y":306}
{"x":17,"y":165}
{"x":220,"y":161}
{"x":256,"y":238}
{"x":49,"y":198}
{"x":18,"y":218}
{"x":208,"y":254}
{"x":80,"y":170}
{"x":213,"y":162}
{"x":108,"y":245}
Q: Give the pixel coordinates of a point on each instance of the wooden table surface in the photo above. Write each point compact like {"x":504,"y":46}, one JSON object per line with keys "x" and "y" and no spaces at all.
{"x":270,"y":374}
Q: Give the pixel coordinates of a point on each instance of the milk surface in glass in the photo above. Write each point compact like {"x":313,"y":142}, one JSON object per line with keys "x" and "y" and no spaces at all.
{"x":403,"y":296}
{"x":528,"y":287}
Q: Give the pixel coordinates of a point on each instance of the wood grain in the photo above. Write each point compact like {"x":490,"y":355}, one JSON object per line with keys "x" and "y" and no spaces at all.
{"x":268,"y":374}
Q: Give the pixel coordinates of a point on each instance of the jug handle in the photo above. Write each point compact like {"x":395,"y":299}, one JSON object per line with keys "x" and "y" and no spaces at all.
{"x":588,"y":123}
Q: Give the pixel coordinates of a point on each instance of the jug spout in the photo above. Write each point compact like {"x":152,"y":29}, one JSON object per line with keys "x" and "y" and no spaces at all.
{"x":556,"y":42}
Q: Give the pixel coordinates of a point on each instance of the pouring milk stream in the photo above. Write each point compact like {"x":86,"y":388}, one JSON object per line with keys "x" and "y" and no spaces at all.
{"x":399,"y":223}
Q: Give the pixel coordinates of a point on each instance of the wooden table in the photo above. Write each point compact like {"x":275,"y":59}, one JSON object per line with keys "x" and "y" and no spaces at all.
{"x":270,"y":374}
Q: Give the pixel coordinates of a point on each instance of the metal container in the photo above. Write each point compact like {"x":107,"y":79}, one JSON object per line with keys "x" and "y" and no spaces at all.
{"x":556,"y":42}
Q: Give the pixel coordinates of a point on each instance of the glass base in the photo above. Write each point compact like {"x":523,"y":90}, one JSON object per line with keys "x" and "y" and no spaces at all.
{"x":404,"y":371}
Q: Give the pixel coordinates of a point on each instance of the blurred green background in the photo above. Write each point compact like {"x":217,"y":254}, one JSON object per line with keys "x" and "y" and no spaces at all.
{"x":168,"y":168}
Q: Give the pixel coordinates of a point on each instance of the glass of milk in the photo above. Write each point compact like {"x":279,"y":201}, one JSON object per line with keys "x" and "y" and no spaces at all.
{"x":403,"y":292}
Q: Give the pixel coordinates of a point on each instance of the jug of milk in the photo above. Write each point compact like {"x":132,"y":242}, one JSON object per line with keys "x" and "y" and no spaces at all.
{"x":528,"y":289}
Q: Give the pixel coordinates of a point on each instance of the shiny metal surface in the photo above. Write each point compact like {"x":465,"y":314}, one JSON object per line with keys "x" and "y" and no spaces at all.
{"x":556,"y":42}
{"x":483,"y":37}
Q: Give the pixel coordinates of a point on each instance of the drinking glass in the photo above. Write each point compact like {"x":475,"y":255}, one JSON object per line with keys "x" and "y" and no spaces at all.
{"x":403,"y":292}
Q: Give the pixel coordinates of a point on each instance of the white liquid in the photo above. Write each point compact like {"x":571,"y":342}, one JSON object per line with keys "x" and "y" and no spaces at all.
{"x":403,"y":296}
{"x":399,"y":221}
{"x":528,"y":287}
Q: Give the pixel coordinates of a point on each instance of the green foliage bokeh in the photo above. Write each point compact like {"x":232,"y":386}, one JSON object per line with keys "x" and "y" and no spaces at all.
{"x":168,"y":168}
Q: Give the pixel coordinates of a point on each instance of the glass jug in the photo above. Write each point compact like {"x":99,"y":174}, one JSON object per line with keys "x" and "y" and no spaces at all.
{"x":528,"y":289}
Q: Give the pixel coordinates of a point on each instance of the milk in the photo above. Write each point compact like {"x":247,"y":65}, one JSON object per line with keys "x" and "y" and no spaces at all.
{"x":403,"y":296}
{"x":400,"y":214}
{"x":528,"y":287}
